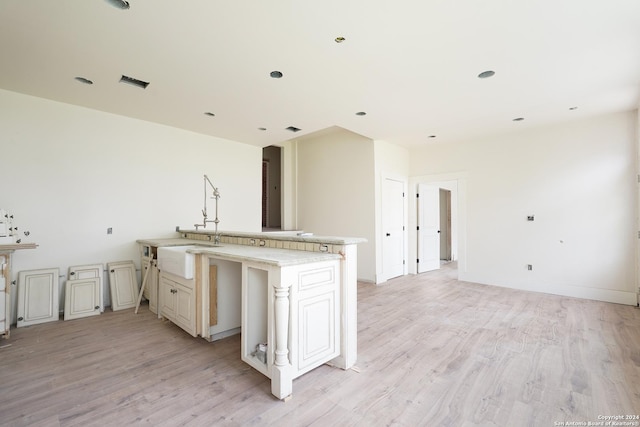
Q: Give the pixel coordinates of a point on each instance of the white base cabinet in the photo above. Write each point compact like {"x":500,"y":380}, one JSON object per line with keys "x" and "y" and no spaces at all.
{"x":177,"y":301}
{"x":292,"y":314}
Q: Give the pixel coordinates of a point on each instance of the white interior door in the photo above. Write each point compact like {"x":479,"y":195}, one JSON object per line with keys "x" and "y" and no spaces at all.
{"x":38,"y":298}
{"x":428,"y":228}
{"x":82,"y":272}
{"x":123,"y":285}
{"x":82,"y":298}
{"x":392,"y":228}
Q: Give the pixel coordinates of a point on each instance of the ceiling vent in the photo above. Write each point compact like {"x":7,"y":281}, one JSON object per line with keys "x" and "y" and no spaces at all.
{"x":134,"y":82}
{"x":120,"y":4}
{"x":293,"y":129}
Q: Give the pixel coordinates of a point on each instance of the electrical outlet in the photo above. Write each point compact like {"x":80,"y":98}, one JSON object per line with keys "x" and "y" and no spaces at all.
{"x":109,"y":230}
{"x":529,"y":267}
{"x":530,"y":218}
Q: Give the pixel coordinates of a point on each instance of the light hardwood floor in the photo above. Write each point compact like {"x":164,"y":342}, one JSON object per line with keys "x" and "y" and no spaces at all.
{"x":433,"y":351}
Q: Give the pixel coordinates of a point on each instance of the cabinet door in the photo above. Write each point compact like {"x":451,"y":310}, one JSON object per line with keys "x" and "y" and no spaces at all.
{"x":81,"y":272}
{"x":38,"y":298}
{"x":82,"y":298}
{"x":317,"y":314}
{"x":185,"y":309}
{"x":123,"y":285}
{"x":167,"y":299}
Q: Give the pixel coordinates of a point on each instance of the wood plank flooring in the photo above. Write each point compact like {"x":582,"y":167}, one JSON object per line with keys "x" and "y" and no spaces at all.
{"x":432,"y":351}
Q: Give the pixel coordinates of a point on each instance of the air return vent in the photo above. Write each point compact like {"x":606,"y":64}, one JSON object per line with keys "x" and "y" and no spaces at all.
{"x":293,"y":129}
{"x":134,"y":82}
{"x":120,"y":4}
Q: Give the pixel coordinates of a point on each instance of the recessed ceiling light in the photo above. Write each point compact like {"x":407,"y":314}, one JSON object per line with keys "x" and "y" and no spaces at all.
{"x":361,"y":113}
{"x":263,"y":129}
{"x":84,"y":80}
{"x":573,"y":108}
{"x":293,"y":129}
{"x":340,"y":39}
{"x":431,"y":136}
{"x":208,"y":113}
{"x":486,"y":74}
{"x":276,"y":74}
{"x":518,"y":119}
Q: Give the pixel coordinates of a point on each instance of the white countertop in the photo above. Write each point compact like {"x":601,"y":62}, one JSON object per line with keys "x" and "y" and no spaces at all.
{"x":291,"y":236}
{"x":260,"y":254}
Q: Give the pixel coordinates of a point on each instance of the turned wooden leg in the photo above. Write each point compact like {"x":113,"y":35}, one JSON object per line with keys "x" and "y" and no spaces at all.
{"x":281,"y":379}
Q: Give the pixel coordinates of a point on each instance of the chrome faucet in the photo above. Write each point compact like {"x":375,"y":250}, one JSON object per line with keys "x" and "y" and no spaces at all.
{"x":216,"y":196}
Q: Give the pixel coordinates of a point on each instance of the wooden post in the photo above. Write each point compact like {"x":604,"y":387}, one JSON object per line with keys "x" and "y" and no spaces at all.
{"x":281,"y":379}
{"x":144,"y":282}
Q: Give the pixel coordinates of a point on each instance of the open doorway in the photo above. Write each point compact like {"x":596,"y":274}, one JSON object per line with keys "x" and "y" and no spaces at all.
{"x":437,"y":225}
{"x":445,"y":225}
{"x":271,"y":188}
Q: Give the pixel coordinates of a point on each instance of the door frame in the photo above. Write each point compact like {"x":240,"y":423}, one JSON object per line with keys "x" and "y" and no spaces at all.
{"x":457,"y":180}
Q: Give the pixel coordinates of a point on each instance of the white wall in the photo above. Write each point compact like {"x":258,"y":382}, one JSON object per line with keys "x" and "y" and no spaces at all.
{"x":68,"y":173}
{"x":391,"y":161}
{"x":335,"y":191}
{"x":578,"y":179}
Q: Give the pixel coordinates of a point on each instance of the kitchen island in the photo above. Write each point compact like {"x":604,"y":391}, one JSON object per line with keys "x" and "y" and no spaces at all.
{"x":293,"y":298}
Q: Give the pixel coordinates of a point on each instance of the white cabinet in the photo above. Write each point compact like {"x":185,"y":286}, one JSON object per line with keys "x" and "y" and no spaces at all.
{"x":177,"y":301}
{"x":123,"y":285}
{"x":295,"y":311}
{"x":316,"y":299}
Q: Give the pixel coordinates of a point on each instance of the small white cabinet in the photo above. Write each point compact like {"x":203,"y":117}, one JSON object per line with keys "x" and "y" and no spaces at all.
{"x":177,"y":301}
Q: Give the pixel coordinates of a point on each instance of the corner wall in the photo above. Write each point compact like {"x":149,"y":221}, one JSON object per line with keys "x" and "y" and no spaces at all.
{"x":578,"y":179}
{"x":335,"y":195}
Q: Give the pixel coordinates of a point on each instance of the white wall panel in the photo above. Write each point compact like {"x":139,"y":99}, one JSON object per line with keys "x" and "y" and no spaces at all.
{"x":579,"y":181}
{"x":72,"y":172}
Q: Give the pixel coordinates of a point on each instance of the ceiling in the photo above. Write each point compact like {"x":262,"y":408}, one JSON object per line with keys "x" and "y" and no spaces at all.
{"x":411,"y":65}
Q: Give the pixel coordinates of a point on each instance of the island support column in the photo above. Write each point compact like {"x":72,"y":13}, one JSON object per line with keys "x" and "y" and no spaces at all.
{"x":282,"y":372}
{"x":348,"y":308}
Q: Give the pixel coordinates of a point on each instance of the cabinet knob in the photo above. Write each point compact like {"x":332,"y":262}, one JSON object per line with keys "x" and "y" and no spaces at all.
{"x":97,"y":307}
{"x":72,"y":273}
{"x":113,"y":271}
{"x":21,"y":318}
